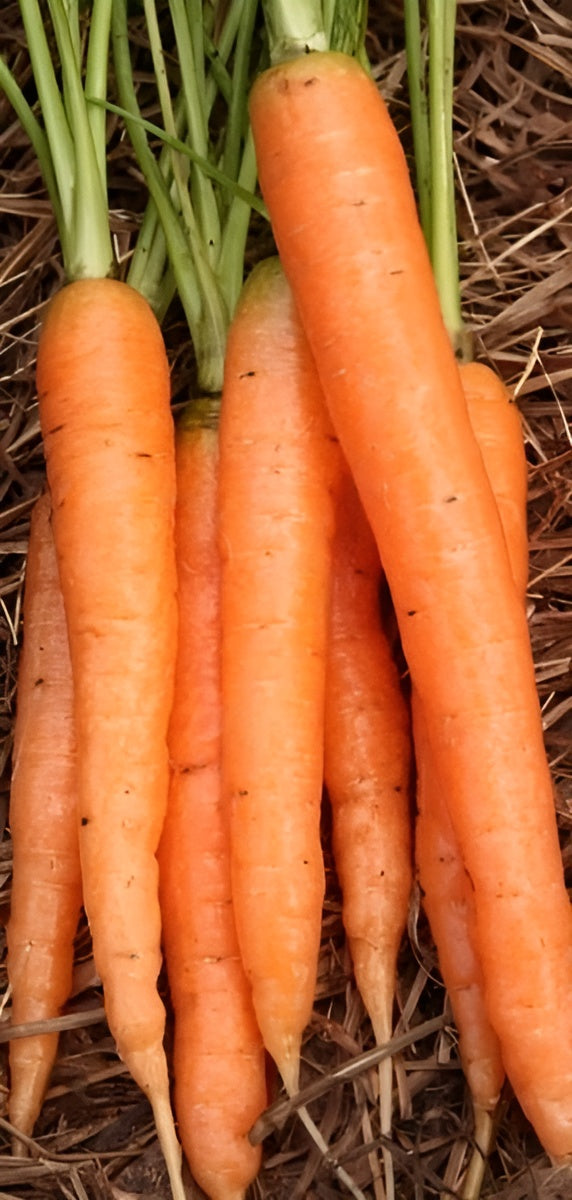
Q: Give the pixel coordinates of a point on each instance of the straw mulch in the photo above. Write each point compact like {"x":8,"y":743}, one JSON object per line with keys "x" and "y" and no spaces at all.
{"x":95,"y":1139}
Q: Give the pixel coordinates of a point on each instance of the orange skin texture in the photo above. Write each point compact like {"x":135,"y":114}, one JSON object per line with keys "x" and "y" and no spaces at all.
{"x":46,"y":884}
{"x":219,"y":1065}
{"x":104,"y":394}
{"x":448,"y":895}
{"x":335,"y":180}
{"x":277,"y":467}
{"x":449,"y":902}
{"x":367,"y":763}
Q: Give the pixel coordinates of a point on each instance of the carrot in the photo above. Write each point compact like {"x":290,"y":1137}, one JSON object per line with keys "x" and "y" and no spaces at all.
{"x":496,"y":423}
{"x":218,"y":1055}
{"x":448,"y":896}
{"x":46,"y":885}
{"x":277,"y":458}
{"x":335,"y":180}
{"x":103,"y":386}
{"x":104,"y":402}
{"x":367,"y":770}
{"x":447,"y":889}
{"x":448,"y":900}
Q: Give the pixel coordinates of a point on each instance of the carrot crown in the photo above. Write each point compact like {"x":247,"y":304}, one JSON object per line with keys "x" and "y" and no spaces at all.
{"x":297,"y":27}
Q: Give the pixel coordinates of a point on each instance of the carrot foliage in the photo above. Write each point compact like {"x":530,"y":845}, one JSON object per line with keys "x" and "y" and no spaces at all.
{"x":201,"y":181}
{"x":70,"y":139}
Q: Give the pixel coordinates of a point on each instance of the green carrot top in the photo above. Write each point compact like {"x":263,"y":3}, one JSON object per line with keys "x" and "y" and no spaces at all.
{"x":71,"y":140}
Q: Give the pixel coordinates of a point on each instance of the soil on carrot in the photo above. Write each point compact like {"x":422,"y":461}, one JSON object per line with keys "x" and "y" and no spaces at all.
{"x":513,"y":111}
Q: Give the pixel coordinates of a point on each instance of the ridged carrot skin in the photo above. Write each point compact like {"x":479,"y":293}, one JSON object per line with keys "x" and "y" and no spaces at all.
{"x":46,"y":882}
{"x":367,"y":762}
{"x":448,"y":895}
{"x":104,"y":396}
{"x":335,"y":180}
{"x":277,"y":464}
{"x":218,"y":1056}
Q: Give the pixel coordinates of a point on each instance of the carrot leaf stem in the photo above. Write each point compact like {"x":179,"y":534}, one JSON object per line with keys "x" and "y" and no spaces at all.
{"x":200,"y":295}
{"x":179,"y":167}
{"x":76,"y":164}
{"x":231,"y":262}
{"x":240,"y":192}
{"x":92,"y":252}
{"x":347,"y":29}
{"x":294,"y":27}
{"x":96,"y":69}
{"x":187,"y":25}
{"x":58,"y":133}
{"x":443,"y":240}
{"x":416,"y":52}
{"x":238,"y":104}
{"x":39,"y":141}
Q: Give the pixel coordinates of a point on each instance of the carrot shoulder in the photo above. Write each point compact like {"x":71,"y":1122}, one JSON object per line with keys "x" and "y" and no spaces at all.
{"x":103,"y":385}
{"x":218,"y":1055}
{"x":46,"y":883}
{"x":276,"y":525}
{"x":335,"y":180}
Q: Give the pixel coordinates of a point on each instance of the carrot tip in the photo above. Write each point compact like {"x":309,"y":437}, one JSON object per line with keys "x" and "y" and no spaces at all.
{"x":172,"y":1153}
{"x":484,"y":1136}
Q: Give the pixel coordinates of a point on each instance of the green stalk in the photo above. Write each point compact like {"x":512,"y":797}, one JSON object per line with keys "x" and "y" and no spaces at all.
{"x":238,"y":106}
{"x":417,"y":80}
{"x":348,"y":29}
{"x":74,"y":176}
{"x":39,"y":142}
{"x":294,"y":27}
{"x":231,"y":262}
{"x":176,"y":144}
{"x":96,"y":81}
{"x":92,"y":251}
{"x":147,"y":263}
{"x":149,"y":256}
{"x":443,"y":242}
{"x":200,"y":296}
{"x":179,"y":167}
{"x":203,"y":198}
{"x":58,"y":132}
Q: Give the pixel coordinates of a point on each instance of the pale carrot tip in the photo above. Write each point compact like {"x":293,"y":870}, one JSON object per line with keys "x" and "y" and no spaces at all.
{"x":483,"y":1144}
{"x":288,"y":1063}
{"x":170,"y":1147}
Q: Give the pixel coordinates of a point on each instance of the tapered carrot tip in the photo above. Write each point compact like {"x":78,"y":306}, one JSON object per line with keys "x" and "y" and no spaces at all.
{"x":484,"y":1139}
{"x":288,"y":1064}
{"x":169,"y":1144}
{"x":29,"y":1078}
{"x":149,"y":1069}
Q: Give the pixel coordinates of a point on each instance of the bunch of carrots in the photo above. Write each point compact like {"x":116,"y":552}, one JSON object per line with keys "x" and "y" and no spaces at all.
{"x":196,"y":670}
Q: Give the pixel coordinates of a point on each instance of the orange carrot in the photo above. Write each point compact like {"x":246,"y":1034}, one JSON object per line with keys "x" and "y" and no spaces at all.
{"x":103,"y":385}
{"x":448,"y":895}
{"x":219,"y":1065}
{"x":335,"y":180}
{"x":496,"y":423}
{"x":367,"y":769}
{"x":449,"y":902}
{"x":277,"y":460}
{"x":46,"y":885}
